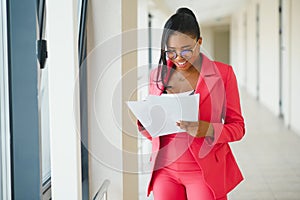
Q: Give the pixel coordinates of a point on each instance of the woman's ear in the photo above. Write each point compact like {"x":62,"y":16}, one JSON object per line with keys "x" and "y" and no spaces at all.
{"x":200,"y":40}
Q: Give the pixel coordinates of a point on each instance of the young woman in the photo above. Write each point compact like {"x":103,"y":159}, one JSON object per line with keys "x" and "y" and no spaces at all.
{"x":198,"y":163}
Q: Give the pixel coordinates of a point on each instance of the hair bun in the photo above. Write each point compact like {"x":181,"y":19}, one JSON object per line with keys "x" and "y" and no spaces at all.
{"x":187,"y":11}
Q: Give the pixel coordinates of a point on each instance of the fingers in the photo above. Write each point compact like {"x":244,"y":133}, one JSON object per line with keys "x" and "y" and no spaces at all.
{"x":187,"y":123}
{"x":190,"y":127}
{"x":181,"y":126}
{"x":196,"y":129}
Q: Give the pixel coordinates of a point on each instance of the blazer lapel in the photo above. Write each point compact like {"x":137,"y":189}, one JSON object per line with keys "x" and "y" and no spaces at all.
{"x":208,"y":78}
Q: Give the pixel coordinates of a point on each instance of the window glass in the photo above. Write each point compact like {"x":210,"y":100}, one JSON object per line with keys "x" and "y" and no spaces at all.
{"x":4,"y":116}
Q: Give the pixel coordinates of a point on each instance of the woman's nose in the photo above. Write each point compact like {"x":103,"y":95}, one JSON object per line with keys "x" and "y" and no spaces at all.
{"x":178,"y":57}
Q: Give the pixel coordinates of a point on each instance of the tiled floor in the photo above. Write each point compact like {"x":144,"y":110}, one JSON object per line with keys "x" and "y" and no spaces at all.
{"x":269,"y":157}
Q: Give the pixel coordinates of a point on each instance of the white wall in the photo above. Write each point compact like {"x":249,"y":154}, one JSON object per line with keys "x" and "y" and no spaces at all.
{"x":104,"y":96}
{"x":143,"y":41}
{"x":207,"y":47}
{"x":251,"y":71}
{"x":238,"y":45}
{"x":286,"y":66}
{"x":269,"y":52}
{"x":295,"y":63}
{"x":216,"y":41}
{"x":63,"y":99}
{"x":269,"y":55}
{"x":221,"y":44}
{"x":261,"y":64}
{"x":144,"y":145}
{"x":158,"y":22}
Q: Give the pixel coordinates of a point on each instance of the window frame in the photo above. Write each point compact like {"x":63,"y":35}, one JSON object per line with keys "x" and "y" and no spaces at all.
{"x":23,"y":100}
{"x":5,"y":174}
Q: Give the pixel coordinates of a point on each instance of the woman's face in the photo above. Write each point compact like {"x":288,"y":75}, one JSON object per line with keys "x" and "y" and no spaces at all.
{"x":183,"y":50}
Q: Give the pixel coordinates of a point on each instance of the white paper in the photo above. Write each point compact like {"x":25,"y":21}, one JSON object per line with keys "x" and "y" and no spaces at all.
{"x":159,"y":114}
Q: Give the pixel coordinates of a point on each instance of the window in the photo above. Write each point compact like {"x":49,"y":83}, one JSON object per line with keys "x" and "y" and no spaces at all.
{"x":4,"y":110}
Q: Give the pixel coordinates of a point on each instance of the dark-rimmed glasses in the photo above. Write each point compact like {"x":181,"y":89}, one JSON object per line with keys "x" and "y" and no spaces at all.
{"x":186,"y":53}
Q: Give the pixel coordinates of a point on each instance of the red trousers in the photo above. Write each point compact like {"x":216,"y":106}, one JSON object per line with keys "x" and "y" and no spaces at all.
{"x":178,"y":176}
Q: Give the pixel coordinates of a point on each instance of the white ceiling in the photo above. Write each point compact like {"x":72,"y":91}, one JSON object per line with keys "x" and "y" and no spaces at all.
{"x":206,"y":11}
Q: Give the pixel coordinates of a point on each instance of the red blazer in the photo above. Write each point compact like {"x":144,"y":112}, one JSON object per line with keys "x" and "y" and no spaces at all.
{"x":219,"y":105}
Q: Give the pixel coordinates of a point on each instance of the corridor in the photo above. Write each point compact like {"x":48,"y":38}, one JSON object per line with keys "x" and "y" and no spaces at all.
{"x":268,"y":156}
{"x":65,"y":127}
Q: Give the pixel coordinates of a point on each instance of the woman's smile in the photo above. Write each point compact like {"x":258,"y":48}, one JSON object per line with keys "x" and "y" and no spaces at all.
{"x":181,"y":64}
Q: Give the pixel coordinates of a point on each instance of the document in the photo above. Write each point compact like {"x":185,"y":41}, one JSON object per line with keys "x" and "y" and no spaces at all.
{"x":159,"y":114}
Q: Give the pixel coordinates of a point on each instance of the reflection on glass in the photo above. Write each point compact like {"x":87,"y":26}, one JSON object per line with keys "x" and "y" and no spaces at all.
{"x":44,"y":125}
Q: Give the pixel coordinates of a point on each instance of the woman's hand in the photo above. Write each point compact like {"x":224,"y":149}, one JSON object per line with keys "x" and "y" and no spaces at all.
{"x":197,"y":129}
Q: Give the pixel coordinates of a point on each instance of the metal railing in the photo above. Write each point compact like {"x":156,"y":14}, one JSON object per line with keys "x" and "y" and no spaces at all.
{"x":102,"y":192}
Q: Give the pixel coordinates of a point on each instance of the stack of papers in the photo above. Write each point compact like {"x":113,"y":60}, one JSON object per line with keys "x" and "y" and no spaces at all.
{"x":159,"y":114}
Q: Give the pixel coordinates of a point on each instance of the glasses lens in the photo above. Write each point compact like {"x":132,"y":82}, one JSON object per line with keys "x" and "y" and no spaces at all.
{"x":171,"y":54}
{"x":186,"y":54}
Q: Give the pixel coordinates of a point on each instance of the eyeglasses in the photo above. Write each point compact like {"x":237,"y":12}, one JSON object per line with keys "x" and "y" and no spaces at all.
{"x":186,"y":54}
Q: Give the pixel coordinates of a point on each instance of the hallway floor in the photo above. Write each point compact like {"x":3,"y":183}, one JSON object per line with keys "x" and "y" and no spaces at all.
{"x":268,"y":155}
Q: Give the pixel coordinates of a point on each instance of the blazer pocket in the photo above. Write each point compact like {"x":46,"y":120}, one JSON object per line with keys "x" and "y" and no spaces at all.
{"x":221,"y":152}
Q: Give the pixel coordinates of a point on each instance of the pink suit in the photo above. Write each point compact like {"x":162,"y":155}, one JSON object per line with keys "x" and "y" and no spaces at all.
{"x":219,"y":105}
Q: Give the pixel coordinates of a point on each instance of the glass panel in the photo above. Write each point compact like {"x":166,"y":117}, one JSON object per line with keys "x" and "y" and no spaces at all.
{"x":4,"y":110}
{"x":44,"y":125}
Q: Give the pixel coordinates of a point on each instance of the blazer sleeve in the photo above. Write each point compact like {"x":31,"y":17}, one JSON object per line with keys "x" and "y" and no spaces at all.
{"x":233,"y":126}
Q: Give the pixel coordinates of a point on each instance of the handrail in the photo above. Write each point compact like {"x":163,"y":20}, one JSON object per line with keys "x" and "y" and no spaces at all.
{"x":102,"y":192}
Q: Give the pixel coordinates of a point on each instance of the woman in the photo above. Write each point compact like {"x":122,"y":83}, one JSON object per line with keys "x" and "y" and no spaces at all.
{"x":198,"y":163}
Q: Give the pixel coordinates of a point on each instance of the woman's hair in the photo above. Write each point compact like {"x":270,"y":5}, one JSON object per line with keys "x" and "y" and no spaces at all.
{"x":183,"y":21}
{"x":184,"y":10}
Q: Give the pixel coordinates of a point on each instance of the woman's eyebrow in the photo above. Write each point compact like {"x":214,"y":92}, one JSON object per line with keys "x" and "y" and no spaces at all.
{"x":183,"y":47}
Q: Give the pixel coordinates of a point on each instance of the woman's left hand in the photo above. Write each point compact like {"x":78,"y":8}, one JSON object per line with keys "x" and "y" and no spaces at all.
{"x":197,"y":129}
